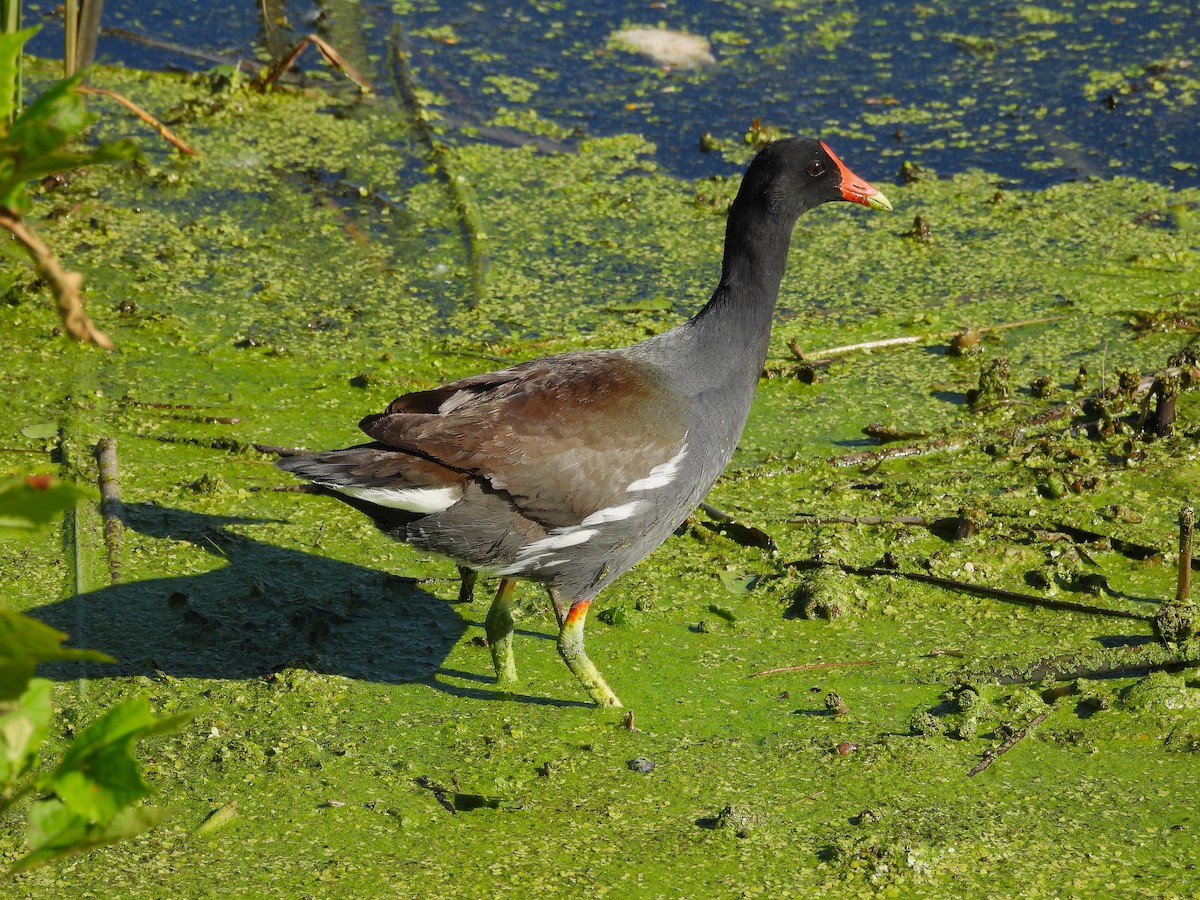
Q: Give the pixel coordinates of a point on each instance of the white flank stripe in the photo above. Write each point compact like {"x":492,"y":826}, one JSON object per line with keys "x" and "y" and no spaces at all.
{"x":559,"y":538}
{"x":613,"y":513}
{"x":415,"y":500}
{"x":530,"y":555}
{"x":661,"y":475}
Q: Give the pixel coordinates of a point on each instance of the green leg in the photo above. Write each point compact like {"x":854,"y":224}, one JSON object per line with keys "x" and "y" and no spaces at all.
{"x":570,"y":648}
{"x":499,"y":628}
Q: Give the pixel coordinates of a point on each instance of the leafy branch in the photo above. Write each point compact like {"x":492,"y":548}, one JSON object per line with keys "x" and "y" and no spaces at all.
{"x":91,"y":797}
{"x":37,"y":143}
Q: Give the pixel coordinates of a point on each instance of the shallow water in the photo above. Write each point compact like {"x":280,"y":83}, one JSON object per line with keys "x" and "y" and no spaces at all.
{"x":1037,"y":94}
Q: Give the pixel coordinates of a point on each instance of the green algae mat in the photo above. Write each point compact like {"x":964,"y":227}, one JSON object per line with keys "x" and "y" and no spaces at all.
{"x":807,"y":720}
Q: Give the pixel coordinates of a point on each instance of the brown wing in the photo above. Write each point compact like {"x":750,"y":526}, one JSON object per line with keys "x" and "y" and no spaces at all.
{"x":563,"y":436}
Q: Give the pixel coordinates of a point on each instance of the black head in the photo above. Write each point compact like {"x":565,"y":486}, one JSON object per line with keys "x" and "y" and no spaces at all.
{"x":790,"y":176}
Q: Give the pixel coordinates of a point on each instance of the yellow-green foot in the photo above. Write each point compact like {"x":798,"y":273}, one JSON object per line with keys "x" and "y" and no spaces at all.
{"x":570,"y":648}
{"x":499,"y":628}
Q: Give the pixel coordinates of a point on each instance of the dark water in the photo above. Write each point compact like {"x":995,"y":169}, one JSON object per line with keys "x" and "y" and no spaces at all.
{"x":1035,"y":94}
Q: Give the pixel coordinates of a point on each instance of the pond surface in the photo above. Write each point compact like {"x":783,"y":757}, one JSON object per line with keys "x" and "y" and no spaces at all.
{"x":1037,"y":94}
{"x":310,"y":264}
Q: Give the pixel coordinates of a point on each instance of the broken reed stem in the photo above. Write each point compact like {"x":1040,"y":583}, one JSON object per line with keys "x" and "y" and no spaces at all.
{"x":981,"y":590}
{"x":994,"y":755}
{"x":66,"y":286}
{"x":110,"y":504}
{"x":167,"y":134}
{"x":1187,"y":525}
{"x":919,"y":521}
{"x":330,"y":55}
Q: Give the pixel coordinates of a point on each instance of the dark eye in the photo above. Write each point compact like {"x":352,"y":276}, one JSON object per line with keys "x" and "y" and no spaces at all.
{"x":815,"y":168}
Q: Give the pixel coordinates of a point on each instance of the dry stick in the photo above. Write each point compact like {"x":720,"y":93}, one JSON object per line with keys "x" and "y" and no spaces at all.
{"x":63,"y":284}
{"x":879,"y":456}
{"x":1011,"y":742}
{"x":981,"y":590}
{"x":330,"y":55}
{"x":279,"y":451}
{"x":920,"y":521}
{"x":1187,"y":525}
{"x":167,"y":134}
{"x":110,"y":504}
{"x":820,"y":355}
{"x":799,"y":668}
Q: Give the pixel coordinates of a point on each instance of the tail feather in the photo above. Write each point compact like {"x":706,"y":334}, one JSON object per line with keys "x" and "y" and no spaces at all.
{"x":394,"y":488}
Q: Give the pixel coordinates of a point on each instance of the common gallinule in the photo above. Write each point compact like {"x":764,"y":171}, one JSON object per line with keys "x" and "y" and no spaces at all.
{"x":568,"y":470}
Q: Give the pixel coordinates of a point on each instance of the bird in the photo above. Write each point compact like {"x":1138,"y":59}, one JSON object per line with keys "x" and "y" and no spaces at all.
{"x":569,"y":469}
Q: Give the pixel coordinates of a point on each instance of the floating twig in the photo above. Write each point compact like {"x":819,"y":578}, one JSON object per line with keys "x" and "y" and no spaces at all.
{"x":110,"y":504}
{"x":953,"y":527}
{"x":441,"y":794}
{"x":821,"y":357}
{"x":1163,"y":387}
{"x":746,"y":535}
{"x":167,"y":134}
{"x":804,"y":666}
{"x":876,"y":457}
{"x":992,"y":755}
{"x":888,"y":434}
{"x":279,"y":451}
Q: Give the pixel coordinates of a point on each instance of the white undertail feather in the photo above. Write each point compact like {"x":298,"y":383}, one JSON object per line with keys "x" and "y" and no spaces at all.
{"x":414,"y":500}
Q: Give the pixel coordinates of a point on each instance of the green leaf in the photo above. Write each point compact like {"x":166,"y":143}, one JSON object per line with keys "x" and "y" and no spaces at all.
{"x":55,"y":831}
{"x":737,"y":583}
{"x":10,"y":71}
{"x":23,"y":727}
{"x":25,"y":642}
{"x":218,"y":818}
{"x":35,"y":142}
{"x":40,"y":431}
{"x":98,"y":775}
{"x":27,"y":504}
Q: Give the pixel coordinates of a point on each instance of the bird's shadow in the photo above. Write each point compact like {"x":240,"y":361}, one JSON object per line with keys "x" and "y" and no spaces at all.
{"x":265,"y":609}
